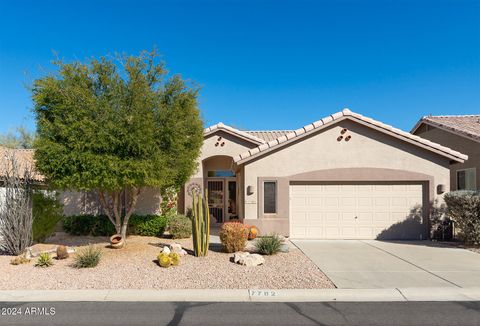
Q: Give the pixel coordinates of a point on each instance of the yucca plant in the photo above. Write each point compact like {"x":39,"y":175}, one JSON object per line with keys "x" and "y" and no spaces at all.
{"x":44,"y":260}
{"x":200,"y":225}
{"x":88,"y":257}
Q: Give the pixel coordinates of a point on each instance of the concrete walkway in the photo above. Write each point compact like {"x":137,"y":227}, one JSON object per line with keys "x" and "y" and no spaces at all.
{"x":368,"y":264}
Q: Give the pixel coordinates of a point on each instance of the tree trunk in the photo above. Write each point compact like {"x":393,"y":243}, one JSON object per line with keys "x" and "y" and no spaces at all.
{"x":133,"y":202}
{"x":112,"y":203}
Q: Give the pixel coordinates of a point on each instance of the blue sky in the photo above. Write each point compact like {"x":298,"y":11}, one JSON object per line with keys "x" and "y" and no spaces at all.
{"x":263,"y":64}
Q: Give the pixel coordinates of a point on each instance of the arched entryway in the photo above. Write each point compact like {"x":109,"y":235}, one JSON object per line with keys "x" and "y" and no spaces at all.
{"x":221,"y":184}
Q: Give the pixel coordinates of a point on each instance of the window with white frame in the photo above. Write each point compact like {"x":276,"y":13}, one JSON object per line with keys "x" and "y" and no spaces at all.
{"x":269,"y":197}
{"x":466,"y":179}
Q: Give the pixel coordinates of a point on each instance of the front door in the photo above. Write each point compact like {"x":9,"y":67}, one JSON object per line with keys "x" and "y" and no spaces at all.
{"x":222,"y":199}
{"x":216,"y":199}
{"x":231,"y":203}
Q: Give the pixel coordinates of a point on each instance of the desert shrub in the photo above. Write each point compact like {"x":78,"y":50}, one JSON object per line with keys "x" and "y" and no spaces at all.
{"x":19,"y":260}
{"x":44,"y":260}
{"x":88,"y":257}
{"x":463,"y":207}
{"x":47,"y":212}
{"x":440,"y":223}
{"x":147,"y":225}
{"x":268,"y":245}
{"x":164,"y":260}
{"x":233,"y":236}
{"x":180,"y":227}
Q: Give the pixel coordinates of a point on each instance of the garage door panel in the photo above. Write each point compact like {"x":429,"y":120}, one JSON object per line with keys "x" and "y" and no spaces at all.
{"x":331,"y":202}
{"x":315,"y":200}
{"x":329,"y":211}
{"x":348,"y":202}
{"x":332,"y":217}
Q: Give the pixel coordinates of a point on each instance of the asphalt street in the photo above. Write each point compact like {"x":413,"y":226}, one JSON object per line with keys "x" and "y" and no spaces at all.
{"x":225,"y":313}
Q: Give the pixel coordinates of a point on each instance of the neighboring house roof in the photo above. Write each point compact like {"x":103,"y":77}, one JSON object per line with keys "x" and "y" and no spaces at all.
{"x":463,"y":125}
{"x":268,"y":135}
{"x":24,"y":159}
{"x":339,"y":116}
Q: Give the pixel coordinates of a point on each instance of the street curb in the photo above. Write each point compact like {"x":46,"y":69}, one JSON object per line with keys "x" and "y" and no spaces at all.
{"x":252,"y":295}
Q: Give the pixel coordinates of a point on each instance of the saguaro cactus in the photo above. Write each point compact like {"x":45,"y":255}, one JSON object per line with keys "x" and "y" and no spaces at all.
{"x":200,"y":225}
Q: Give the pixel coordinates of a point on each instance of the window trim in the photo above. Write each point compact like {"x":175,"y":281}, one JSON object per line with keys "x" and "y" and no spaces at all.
{"x":474,"y":179}
{"x":275,"y":197}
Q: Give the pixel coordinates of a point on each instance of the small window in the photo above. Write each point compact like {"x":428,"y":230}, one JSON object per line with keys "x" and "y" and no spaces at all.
{"x":221,"y":174}
{"x":466,"y":179}
{"x":269,"y":197}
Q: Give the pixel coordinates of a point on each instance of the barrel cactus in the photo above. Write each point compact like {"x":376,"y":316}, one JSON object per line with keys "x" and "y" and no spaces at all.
{"x":164,"y":260}
{"x":174,"y":258}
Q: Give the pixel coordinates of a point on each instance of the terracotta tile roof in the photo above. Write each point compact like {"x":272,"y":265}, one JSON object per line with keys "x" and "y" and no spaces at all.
{"x":242,"y":134}
{"x":268,"y":135}
{"x":344,"y":114}
{"x":24,"y":158}
{"x":463,"y":125}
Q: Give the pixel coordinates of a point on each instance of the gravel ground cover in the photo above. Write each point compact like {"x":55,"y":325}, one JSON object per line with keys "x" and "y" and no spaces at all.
{"x":135,"y":267}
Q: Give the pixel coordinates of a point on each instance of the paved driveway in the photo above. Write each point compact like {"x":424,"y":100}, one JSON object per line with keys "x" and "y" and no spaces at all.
{"x":378,"y":264}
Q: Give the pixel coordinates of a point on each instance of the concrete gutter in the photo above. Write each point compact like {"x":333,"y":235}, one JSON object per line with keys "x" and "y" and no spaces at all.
{"x":253,"y":295}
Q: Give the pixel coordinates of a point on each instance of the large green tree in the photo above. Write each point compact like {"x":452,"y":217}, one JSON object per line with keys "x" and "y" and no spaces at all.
{"x":116,"y":125}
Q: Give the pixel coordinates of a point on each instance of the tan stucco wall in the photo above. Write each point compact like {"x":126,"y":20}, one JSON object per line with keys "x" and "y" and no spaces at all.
{"x":367,"y":148}
{"x":458,"y":143}
{"x":87,"y":203}
{"x":215,"y":158}
{"x":233,"y":146}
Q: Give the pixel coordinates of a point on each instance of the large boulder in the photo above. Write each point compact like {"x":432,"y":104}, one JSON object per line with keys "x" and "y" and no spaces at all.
{"x":39,"y":248}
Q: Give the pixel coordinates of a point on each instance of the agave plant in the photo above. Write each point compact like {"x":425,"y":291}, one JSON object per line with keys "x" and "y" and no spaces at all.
{"x":44,"y":260}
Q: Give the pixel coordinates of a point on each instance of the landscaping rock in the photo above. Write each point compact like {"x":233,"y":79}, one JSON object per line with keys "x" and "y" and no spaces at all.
{"x":248,"y":259}
{"x":240,"y":256}
{"x":253,"y":260}
{"x":166,"y":250}
{"x":177,"y":248}
{"x":39,"y":248}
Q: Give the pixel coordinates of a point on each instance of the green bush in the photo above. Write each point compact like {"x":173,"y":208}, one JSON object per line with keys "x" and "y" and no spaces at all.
{"x":87,"y":257}
{"x":463,"y":207}
{"x":148,"y":225}
{"x":47,"y":212}
{"x":268,"y":245}
{"x":180,"y":227}
{"x":88,"y":225}
{"x":44,"y":260}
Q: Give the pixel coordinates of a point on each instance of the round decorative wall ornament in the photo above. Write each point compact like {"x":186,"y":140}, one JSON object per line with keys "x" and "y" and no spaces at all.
{"x":194,"y":188}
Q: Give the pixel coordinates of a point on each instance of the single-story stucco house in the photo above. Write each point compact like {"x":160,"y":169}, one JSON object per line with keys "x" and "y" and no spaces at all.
{"x":462,"y":133}
{"x":345,"y":176}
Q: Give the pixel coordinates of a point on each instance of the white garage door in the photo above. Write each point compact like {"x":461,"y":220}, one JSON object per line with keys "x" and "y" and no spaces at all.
{"x":356,"y":211}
